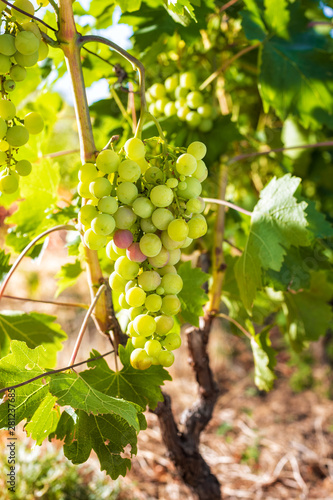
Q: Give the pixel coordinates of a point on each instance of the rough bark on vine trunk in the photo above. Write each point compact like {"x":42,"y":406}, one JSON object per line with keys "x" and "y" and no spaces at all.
{"x":183,"y":447}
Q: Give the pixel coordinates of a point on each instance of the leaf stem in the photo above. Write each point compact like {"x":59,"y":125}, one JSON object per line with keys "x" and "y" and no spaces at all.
{"x":279,"y":150}
{"x":239,"y":326}
{"x":65,"y":304}
{"x":227,"y":64}
{"x":65,"y":227}
{"x":84,"y":324}
{"x":228,"y":204}
{"x":52,"y":372}
{"x":227,"y":5}
{"x":61,"y":153}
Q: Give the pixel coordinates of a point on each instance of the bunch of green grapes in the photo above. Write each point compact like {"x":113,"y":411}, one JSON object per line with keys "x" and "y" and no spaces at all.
{"x":145,"y":209}
{"x":178,"y":97}
{"x":21,"y":46}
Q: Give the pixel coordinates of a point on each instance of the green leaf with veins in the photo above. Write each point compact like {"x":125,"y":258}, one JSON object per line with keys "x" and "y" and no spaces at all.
{"x":139,"y":386}
{"x":4,"y":264}
{"x":44,"y":421}
{"x":192,"y":295}
{"x":278,"y":222}
{"x":67,"y":276}
{"x":35,"y":329}
{"x":264,"y":359}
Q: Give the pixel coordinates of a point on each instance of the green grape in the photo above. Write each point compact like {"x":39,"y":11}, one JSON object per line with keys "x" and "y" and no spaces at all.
{"x":164,"y":324}
{"x":3,"y":158}
{"x":188,"y":80}
{"x":172,"y":342}
{"x":143,"y":207}
{"x":166,"y":358}
{"x":170,"y":305}
{"x":134,"y":312}
{"x":100,"y":187}
{"x":153,"y":347}
{"x":178,"y":230}
{"x":201,"y":171}
{"x":154,"y":175}
{"x":122,"y":301}
{"x":3,"y":128}
{"x":206,"y":110}
{"x":26,"y":60}
{"x":174,"y":256}
{"x":150,"y":245}
{"x":129,"y":171}
{"x":139,"y":342}
{"x":111,"y":254}
{"x":193,"y":119}
{"x":9,"y":86}
{"x":147,"y":225}
{"x":108,"y":205}
{"x":197,"y":227}
{"x":149,"y":280}
{"x":161,"y":218}
{"x":182,"y":186}
{"x":8,"y":183}
{"x":161,"y":259}
{"x":157,"y":91}
{"x":7,"y":109}
{"x":134,"y":149}
{"x":161,"y":196}
{"x":131,"y":284}
{"x":5,"y":64}
{"x":94,"y":241}
{"x":143,"y":164}
{"x":195,"y":206}
{"x":181,"y":103}
{"x":197,"y":149}
{"x":187,"y":243}
{"x":126,"y":268}
{"x":86,"y":214}
{"x":4,"y":146}
{"x":206,"y":125}
{"x":160,"y":290}
{"x":183,"y":112}
{"x":153,"y":302}
{"x":152,"y":109}
{"x":34,"y":123}
{"x":127,"y":192}
{"x":136,"y":296}
{"x":171,"y":83}
{"x":194,"y":99}
{"x":170,"y":109}
{"x":161,"y":103}
{"x":168,"y":269}
{"x":124,"y":217}
{"x":83,"y":190}
{"x":107,"y":161}
{"x":7,"y":45}
{"x":26,"y":43}
{"x":169,"y":243}
{"x":24,"y":5}
{"x":87,"y":173}
{"x":17,"y":136}
{"x":32,"y":26}
{"x":172,"y":183}
{"x":23,"y":167}
{"x":140,"y":360}
{"x":130,"y":330}
{"x":103,"y":224}
{"x":17,"y":73}
{"x":144,"y":325}
{"x":117,"y":282}
{"x":193,"y":189}
{"x":43,"y":51}
{"x":172,"y":284}
{"x":181,"y":92}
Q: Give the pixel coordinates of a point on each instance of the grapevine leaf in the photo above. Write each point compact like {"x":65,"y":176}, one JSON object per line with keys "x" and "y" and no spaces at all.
{"x":129,"y":5}
{"x":309,"y":313}
{"x":35,"y":329}
{"x":4,"y":264}
{"x":139,"y":386}
{"x":44,"y":421}
{"x":67,"y":276}
{"x":71,"y":389}
{"x":65,"y":429}
{"x":107,"y":435}
{"x":264,"y":360}
{"x":277,"y":16}
{"x":277,"y":223}
{"x":318,"y":225}
{"x":20,"y":365}
{"x":192,"y":296}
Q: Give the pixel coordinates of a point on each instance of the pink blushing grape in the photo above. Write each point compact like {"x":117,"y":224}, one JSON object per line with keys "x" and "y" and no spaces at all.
{"x":134,"y":253}
{"x":123,"y":238}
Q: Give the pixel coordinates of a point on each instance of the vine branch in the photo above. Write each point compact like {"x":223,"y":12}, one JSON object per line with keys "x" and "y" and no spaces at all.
{"x":65,"y":304}
{"x":52,"y":372}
